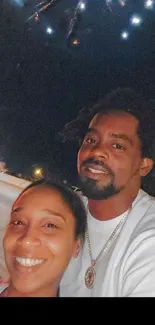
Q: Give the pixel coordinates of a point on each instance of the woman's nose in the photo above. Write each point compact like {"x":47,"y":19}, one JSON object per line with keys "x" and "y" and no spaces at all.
{"x":29,"y":238}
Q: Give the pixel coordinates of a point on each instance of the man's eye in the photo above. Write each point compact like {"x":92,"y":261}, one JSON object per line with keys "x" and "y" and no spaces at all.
{"x":118,"y":146}
{"x":90,"y":140}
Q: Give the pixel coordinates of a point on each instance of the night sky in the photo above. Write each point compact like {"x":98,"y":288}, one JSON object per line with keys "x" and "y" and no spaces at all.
{"x":45,"y":79}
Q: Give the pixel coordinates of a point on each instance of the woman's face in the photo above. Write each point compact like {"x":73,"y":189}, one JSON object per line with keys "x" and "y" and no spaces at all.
{"x":39,"y":240}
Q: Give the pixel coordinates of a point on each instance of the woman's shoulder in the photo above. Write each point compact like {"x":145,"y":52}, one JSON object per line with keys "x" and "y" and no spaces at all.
{"x":4,"y":282}
{"x":2,"y":288}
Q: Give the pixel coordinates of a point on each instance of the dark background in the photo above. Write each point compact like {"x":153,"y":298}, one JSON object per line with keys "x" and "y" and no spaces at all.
{"x":45,"y":80}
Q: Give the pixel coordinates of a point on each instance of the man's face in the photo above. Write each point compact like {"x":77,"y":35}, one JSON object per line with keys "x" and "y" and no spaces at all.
{"x":109,"y":160}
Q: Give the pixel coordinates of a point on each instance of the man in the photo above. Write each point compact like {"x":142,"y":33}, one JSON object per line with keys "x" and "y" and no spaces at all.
{"x":118,"y":256}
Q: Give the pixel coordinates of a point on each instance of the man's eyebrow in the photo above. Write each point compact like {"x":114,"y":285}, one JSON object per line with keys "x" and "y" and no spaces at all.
{"x":91,"y":130}
{"x":122,"y":136}
{"x":114,"y":135}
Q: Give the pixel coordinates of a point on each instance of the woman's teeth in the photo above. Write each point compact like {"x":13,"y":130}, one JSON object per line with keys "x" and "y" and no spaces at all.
{"x":28,"y":261}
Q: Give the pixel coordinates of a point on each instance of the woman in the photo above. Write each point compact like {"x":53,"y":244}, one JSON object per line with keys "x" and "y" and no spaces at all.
{"x":46,"y":228}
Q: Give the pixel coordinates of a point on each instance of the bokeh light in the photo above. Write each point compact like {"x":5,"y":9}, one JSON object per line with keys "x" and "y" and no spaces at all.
{"x":136,"y":20}
{"x":125,"y":35}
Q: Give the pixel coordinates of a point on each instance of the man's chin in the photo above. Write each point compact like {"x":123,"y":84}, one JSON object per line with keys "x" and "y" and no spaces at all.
{"x":93,"y":191}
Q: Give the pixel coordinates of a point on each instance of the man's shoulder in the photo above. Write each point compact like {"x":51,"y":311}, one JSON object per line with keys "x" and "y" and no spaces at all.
{"x":142,"y":218}
{"x":143,"y":211}
{"x":144,"y":198}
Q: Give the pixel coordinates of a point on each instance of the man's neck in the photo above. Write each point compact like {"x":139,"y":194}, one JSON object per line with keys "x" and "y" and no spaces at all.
{"x":112,"y":207}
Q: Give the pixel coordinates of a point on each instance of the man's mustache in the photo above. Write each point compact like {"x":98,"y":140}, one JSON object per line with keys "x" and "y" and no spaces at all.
{"x":98,"y":163}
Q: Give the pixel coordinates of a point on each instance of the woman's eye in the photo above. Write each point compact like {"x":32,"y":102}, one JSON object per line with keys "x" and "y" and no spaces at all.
{"x":50,"y":225}
{"x":17,"y":223}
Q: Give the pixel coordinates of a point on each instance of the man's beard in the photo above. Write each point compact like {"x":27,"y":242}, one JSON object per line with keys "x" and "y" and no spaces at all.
{"x":92,"y":189}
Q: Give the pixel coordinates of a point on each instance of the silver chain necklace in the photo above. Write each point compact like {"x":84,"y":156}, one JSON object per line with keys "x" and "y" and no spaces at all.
{"x":90,"y":273}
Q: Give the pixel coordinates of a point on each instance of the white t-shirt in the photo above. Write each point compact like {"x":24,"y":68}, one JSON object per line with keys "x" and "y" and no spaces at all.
{"x":3,"y":287}
{"x":127,"y":267}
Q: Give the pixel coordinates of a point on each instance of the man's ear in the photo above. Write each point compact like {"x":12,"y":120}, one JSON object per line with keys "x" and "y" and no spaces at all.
{"x":77,"y":248}
{"x":146,"y":166}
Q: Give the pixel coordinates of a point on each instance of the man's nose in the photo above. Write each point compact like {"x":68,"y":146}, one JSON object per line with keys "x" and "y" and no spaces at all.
{"x":100,"y":151}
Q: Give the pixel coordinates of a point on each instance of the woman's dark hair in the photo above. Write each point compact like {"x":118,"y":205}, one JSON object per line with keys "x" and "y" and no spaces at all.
{"x":71,"y":198}
{"x":119,"y":100}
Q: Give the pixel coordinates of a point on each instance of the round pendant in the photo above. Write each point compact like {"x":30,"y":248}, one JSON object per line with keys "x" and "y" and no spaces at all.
{"x":90,"y":277}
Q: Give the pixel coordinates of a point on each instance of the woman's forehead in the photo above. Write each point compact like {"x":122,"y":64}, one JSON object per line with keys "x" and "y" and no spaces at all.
{"x":43,"y":197}
{"x":38,"y":192}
